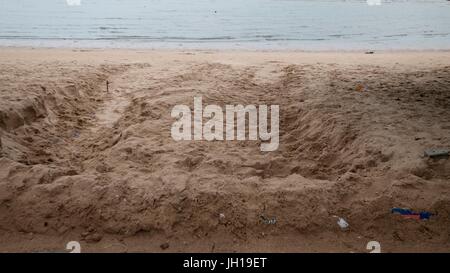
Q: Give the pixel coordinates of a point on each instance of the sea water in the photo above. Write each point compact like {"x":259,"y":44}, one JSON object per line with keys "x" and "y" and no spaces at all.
{"x":266,"y":24}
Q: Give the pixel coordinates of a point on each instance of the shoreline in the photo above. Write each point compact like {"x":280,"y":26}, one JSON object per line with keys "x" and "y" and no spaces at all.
{"x":227,"y":49}
{"x":392,"y":59}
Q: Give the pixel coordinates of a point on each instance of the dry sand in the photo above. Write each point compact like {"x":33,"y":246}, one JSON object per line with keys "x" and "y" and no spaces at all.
{"x":78,"y":163}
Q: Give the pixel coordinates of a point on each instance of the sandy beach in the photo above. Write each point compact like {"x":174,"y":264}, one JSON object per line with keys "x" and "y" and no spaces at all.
{"x":80,"y":163}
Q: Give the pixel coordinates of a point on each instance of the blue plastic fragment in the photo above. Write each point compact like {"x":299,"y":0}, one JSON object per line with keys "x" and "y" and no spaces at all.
{"x":402,"y":211}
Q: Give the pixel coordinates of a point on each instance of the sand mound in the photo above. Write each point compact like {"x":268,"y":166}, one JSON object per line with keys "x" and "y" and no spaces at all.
{"x":78,"y":160}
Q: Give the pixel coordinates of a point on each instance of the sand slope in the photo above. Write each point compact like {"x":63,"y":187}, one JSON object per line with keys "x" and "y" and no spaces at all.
{"x":80,"y":163}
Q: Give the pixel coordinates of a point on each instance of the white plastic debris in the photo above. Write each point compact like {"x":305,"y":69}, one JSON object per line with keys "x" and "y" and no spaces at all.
{"x":374,"y":246}
{"x":342,"y":223}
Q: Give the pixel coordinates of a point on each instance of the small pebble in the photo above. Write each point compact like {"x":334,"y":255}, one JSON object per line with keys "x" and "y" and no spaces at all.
{"x":164,"y":246}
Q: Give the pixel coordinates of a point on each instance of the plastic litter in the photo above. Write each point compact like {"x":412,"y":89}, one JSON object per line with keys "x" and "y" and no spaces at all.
{"x":342,"y":223}
{"x":436,"y":153}
{"x":408,"y":213}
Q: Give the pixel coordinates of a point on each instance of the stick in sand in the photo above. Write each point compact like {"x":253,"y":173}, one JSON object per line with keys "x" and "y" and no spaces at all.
{"x":107,"y":86}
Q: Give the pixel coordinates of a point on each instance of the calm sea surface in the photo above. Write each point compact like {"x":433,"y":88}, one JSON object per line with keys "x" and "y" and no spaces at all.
{"x":271,"y":24}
